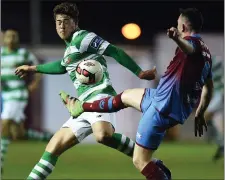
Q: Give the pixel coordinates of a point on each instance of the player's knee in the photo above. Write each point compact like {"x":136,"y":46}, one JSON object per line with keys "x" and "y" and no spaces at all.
{"x":61,"y":141}
{"x":103,"y":137}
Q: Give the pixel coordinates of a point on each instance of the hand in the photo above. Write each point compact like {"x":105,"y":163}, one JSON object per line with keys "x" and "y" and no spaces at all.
{"x":173,"y":33}
{"x":199,"y":123}
{"x":22,"y":71}
{"x":149,"y":74}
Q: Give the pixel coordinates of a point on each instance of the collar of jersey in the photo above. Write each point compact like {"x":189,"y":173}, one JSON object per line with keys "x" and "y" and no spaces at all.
{"x":196,"y":35}
{"x":71,"y":37}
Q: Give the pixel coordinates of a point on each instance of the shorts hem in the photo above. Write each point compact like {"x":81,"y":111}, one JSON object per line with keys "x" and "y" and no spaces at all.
{"x":113,"y":126}
{"x":75,"y":134}
{"x":142,"y":99}
{"x":145,"y":147}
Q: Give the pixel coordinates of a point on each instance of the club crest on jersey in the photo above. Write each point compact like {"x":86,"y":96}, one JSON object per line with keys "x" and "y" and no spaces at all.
{"x":102,"y":103}
{"x":96,"y":42}
{"x":68,"y":60}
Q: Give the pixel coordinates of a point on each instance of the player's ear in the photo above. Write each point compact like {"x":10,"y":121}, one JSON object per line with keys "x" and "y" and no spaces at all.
{"x":183,"y":28}
{"x":73,"y":23}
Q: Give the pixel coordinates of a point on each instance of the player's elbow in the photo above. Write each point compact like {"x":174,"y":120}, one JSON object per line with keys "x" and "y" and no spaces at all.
{"x":188,"y":50}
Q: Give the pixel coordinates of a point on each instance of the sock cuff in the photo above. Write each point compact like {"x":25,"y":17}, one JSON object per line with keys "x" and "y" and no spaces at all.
{"x":149,"y":169}
{"x":117,"y":136}
{"x":50,"y":157}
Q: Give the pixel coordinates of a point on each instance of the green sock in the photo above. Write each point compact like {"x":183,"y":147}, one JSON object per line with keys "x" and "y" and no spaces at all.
{"x":33,"y":134}
{"x":123,"y":144}
{"x":44,"y":167}
{"x":4,"y":148}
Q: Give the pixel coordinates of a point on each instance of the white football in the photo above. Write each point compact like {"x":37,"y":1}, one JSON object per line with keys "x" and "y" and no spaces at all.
{"x":89,"y":72}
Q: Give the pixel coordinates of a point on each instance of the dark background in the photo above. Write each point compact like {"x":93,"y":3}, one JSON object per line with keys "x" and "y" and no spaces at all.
{"x":107,"y":18}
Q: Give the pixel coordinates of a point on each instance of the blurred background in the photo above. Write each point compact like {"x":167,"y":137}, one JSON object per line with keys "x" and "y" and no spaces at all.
{"x":145,"y":40}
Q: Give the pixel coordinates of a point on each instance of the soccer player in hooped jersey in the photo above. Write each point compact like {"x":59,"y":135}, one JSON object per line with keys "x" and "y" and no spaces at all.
{"x":186,"y":84}
{"x":82,"y":45}
{"x":15,"y":93}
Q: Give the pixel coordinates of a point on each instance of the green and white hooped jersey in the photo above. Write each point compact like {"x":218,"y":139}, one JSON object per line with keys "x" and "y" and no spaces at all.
{"x":12,"y":87}
{"x":218,"y":74}
{"x":87,"y":45}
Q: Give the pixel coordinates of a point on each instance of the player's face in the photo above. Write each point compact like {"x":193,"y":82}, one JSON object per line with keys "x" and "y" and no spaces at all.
{"x":64,"y":26}
{"x":11,"y":38}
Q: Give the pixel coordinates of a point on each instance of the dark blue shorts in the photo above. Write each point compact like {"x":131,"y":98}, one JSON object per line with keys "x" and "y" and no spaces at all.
{"x":153,"y":125}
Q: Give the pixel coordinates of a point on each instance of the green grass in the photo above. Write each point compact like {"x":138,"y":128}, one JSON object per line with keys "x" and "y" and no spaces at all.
{"x":186,"y":161}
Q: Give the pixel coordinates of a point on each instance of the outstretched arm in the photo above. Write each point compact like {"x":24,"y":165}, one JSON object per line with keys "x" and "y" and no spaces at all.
{"x":121,"y":57}
{"x":51,"y":68}
{"x":48,"y":68}
{"x":125,"y":60}
{"x":186,"y":46}
{"x":92,"y":43}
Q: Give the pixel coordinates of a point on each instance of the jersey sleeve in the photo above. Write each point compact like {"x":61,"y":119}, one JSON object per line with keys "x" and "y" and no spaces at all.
{"x":90,"y":42}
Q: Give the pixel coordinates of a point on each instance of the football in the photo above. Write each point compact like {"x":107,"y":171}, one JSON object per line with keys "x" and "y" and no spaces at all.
{"x":89,"y":72}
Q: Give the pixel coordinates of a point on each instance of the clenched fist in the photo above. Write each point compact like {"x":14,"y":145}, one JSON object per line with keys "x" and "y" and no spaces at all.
{"x":173,"y":33}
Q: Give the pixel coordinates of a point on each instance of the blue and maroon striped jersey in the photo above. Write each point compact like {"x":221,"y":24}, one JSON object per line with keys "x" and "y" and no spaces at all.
{"x":180,"y":88}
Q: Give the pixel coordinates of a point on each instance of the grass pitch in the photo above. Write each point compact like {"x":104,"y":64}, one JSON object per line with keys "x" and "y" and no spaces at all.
{"x":186,"y":161}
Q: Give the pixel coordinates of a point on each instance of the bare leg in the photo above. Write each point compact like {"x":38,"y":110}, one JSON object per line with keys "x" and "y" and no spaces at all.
{"x":60,"y":142}
{"x":128,"y":98}
{"x":104,"y":134}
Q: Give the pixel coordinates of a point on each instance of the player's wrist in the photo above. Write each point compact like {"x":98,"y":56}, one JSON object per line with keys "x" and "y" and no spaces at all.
{"x":32,"y":68}
{"x":177,"y":39}
{"x":140,"y":74}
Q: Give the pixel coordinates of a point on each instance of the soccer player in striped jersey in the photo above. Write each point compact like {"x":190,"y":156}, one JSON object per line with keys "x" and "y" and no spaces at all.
{"x":187,"y":84}
{"x":81,"y":45}
{"x":15,"y":92}
{"x":216,"y":106}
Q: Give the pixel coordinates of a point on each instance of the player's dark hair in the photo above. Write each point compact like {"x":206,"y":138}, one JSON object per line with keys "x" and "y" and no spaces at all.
{"x":195,"y":18}
{"x":69,"y":9}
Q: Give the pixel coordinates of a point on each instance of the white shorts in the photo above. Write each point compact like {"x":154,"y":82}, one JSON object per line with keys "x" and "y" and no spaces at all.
{"x":14,"y":110}
{"x":81,"y":126}
{"x":216,"y":103}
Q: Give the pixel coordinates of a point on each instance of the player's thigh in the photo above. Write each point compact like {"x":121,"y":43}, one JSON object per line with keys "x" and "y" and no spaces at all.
{"x":152,"y":128}
{"x":103,"y":124}
{"x":139,"y":99}
{"x":62,"y":140}
{"x":133,"y":97}
{"x":80,"y":127}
